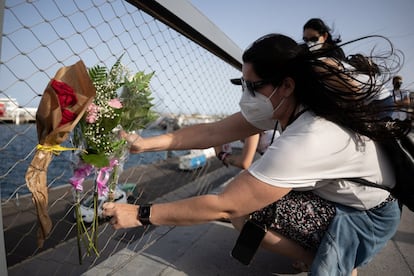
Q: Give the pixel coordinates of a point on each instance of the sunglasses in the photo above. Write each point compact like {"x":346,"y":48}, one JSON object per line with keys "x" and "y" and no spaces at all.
{"x":311,"y":39}
{"x":250,"y":86}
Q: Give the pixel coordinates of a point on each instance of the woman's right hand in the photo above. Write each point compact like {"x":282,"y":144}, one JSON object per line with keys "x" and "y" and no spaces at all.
{"x":133,"y":141}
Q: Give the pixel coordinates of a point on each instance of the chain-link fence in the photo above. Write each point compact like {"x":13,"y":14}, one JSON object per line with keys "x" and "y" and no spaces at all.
{"x":41,"y":36}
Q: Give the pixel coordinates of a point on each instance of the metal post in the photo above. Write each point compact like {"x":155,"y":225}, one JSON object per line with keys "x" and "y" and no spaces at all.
{"x":3,"y":262}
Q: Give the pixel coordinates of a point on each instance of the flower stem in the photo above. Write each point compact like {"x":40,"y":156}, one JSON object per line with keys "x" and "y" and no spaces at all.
{"x":95,"y":223}
{"x":79,"y":228}
{"x":112,"y":184}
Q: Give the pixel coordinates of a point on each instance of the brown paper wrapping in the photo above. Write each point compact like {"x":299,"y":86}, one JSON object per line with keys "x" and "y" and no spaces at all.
{"x":48,"y":117}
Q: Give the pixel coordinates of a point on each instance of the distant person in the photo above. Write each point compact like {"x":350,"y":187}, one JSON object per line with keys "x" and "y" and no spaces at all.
{"x":367,"y":70}
{"x":296,"y":190}
{"x":401,"y":98}
{"x":257,"y":143}
{"x":243,"y":161}
{"x":317,"y":35}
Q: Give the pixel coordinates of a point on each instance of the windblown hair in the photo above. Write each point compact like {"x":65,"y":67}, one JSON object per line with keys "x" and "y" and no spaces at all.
{"x":331,"y":43}
{"x":318,"y":25}
{"x":337,"y":91}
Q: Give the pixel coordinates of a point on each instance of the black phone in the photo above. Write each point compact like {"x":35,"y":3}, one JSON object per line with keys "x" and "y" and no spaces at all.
{"x":248,"y":242}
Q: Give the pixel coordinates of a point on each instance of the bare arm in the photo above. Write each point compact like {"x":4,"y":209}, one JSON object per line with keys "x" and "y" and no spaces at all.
{"x":335,"y":78}
{"x":245,"y":159}
{"x":199,"y":136}
{"x":242,"y":196}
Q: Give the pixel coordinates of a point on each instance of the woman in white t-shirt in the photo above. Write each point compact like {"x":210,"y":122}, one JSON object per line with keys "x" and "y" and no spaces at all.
{"x":298,"y":188}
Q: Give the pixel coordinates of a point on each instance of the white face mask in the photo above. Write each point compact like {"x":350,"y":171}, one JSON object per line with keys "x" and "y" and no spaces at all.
{"x":258,"y":110}
{"x":313,"y":46}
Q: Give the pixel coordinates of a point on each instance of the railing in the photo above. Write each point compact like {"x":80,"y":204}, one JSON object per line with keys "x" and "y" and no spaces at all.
{"x":193,"y":63}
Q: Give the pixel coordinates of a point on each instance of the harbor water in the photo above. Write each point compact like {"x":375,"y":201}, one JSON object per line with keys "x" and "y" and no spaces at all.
{"x":17,"y":148}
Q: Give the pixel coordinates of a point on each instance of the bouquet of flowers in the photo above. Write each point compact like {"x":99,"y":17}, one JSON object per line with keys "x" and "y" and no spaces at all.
{"x":122,"y":102}
{"x":63,"y":104}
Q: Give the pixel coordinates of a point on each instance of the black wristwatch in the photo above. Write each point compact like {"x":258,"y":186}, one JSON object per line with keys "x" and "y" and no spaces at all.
{"x":144,"y":214}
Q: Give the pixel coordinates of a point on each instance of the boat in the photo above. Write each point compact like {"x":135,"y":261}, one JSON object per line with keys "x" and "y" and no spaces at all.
{"x":195,"y":159}
{"x":12,"y":112}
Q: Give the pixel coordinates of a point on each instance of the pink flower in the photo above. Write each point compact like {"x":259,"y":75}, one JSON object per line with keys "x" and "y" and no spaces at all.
{"x":114,"y":162}
{"x":92,"y":113}
{"x":79,"y":176}
{"x":115,"y":103}
{"x":103,"y":176}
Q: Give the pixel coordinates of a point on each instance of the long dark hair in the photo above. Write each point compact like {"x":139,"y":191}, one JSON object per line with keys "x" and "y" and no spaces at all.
{"x":331,"y":43}
{"x":275,"y":57}
{"x":318,"y":25}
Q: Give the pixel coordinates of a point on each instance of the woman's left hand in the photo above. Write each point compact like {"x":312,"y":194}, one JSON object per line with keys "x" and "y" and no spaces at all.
{"x":122,"y":215}
{"x":133,"y":141}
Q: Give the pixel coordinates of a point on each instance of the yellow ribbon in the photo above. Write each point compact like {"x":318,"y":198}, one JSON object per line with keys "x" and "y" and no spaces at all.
{"x":56,"y":149}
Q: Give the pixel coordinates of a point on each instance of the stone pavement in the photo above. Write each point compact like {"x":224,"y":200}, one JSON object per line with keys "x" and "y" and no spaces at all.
{"x":205,"y":250}
{"x":202,"y":249}
{"x":154,"y":181}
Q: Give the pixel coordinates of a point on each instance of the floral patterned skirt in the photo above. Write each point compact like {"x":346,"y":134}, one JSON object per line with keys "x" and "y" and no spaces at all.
{"x":299,"y":216}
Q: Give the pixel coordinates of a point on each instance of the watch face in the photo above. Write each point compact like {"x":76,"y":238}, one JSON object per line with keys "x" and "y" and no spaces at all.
{"x":144,"y":212}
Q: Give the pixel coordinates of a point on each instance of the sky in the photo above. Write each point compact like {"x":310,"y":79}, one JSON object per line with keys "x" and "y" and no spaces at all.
{"x":243,"y":21}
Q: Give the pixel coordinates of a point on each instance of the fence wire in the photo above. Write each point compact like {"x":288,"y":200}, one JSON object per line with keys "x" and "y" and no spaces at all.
{"x":39,"y":37}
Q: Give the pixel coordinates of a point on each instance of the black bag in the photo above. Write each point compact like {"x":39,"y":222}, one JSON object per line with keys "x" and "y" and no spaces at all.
{"x":401,"y":154}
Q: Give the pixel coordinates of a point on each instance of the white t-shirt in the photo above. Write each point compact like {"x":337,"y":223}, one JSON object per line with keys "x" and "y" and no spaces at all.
{"x":383,"y":94}
{"x":400,"y":95}
{"x":265,"y":140}
{"x":313,"y":153}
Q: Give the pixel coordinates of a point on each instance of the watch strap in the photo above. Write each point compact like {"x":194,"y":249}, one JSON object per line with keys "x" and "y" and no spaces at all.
{"x":144,"y":214}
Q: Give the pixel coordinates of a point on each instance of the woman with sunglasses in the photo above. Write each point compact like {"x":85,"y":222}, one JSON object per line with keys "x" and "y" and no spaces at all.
{"x":317,"y":35}
{"x":298,"y":190}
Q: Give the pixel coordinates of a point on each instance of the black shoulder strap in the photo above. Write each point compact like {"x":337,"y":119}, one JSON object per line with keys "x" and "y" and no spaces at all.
{"x":400,"y":152}
{"x":293,"y":118}
{"x":367,"y":183}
